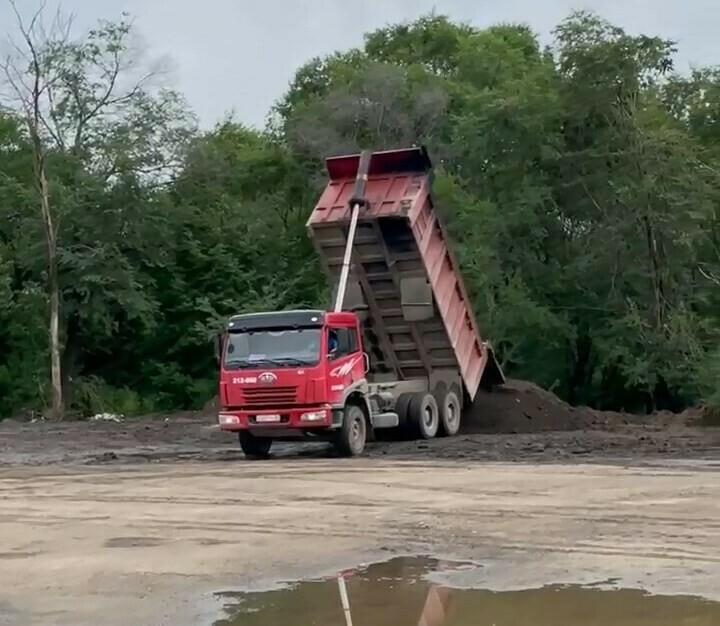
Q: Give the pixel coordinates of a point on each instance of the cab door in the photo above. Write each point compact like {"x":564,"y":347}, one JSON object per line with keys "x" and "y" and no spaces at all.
{"x":345,"y":361}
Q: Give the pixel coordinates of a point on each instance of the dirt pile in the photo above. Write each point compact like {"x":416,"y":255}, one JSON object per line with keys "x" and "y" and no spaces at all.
{"x":523,"y":407}
{"x":710,"y":416}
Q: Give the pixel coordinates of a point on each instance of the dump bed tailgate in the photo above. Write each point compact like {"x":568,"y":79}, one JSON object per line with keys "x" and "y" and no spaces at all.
{"x":403,"y":273}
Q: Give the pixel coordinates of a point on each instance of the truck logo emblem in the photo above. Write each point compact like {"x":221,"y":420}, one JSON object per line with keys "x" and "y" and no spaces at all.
{"x":345,"y":368}
{"x":267,"y":378}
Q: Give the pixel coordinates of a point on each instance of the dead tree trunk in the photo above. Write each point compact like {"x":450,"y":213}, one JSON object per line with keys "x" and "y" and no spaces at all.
{"x":30,"y":94}
{"x":53,"y":288}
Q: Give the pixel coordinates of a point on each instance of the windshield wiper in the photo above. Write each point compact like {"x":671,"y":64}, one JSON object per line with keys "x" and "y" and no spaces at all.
{"x":237,"y":364}
{"x":290,"y":360}
{"x":246,"y":363}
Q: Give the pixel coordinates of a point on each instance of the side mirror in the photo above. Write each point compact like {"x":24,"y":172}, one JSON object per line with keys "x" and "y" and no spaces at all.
{"x":366,"y":361}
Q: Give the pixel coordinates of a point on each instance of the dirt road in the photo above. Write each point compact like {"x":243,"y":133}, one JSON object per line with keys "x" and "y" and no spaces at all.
{"x":148,"y":544}
{"x":142,"y":521}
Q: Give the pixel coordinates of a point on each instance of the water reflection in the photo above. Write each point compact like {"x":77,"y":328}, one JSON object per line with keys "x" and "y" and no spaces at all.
{"x":398,"y":593}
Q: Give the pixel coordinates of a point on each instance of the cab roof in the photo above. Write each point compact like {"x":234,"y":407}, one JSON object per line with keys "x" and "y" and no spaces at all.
{"x":298,"y":318}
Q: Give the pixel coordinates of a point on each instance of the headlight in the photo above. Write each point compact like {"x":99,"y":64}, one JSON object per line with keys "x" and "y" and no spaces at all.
{"x":314,"y":416}
{"x":225,"y":418}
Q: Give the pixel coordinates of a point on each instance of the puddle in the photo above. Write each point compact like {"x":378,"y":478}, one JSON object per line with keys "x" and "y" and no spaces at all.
{"x":418,"y":592}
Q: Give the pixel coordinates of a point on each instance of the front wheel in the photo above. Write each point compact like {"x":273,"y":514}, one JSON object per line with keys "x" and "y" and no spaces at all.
{"x":254,"y":447}
{"x":350,"y":439}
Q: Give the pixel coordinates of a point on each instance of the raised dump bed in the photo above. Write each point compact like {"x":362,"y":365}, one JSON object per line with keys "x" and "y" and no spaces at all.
{"x":404,"y":280}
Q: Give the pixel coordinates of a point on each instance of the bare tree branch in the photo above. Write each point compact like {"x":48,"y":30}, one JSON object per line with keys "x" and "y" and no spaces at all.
{"x":55,"y":130}
{"x":709,"y":276}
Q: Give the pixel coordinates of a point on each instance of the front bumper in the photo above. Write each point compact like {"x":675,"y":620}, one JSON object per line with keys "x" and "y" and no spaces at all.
{"x":280,"y":419}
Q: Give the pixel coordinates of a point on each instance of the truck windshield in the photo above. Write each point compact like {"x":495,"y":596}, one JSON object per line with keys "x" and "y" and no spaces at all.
{"x":277,"y":348}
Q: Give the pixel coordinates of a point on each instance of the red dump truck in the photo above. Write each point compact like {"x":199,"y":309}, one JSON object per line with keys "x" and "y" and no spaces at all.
{"x":401,"y":348}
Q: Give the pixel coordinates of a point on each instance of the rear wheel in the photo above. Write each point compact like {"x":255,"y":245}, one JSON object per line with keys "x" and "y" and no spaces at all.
{"x":449,"y":409}
{"x":402,"y":404}
{"x":423,"y":417}
{"x":350,"y":439}
{"x":254,"y":447}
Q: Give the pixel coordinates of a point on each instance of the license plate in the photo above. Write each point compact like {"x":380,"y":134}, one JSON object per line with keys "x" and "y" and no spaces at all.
{"x":264,"y":419}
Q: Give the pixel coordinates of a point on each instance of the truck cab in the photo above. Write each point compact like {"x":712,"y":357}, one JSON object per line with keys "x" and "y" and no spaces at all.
{"x":290,"y":375}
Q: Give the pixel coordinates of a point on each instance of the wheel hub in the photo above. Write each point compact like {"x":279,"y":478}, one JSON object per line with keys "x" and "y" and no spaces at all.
{"x":356,"y":430}
{"x":451,"y":413}
{"x":428,"y":414}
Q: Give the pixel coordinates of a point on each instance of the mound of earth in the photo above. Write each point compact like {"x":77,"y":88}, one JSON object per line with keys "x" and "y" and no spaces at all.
{"x":523,"y":407}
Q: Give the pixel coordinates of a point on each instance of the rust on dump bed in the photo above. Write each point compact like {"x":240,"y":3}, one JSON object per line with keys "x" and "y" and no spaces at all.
{"x":404,"y":276}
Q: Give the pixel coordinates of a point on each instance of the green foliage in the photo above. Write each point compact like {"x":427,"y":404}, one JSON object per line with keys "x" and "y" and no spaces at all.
{"x":581,"y":185}
{"x":92,"y":396}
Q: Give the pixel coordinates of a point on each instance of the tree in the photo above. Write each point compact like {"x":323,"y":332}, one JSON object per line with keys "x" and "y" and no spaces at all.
{"x":579,"y":183}
{"x":23,"y":321}
{"x":241,"y":202}
{"x":31,"y":94}
{"x":95,"y":121}
{"x":640,"y":204}
{"x":582,"y":202}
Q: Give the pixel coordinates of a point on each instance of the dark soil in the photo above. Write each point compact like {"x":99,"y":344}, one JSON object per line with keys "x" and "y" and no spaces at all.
{"x":523,"y":407}
{"x":514,"y":423}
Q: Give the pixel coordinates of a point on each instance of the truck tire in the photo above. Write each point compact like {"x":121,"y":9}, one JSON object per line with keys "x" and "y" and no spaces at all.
{"x":449,"y":410}
{"x":350,"y":439}
{"x":254,"y":447}
{"x":402,"y":404}
{"x":423,"y":418}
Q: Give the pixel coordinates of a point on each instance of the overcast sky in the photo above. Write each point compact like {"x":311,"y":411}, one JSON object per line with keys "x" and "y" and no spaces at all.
{"x":240,"y":54}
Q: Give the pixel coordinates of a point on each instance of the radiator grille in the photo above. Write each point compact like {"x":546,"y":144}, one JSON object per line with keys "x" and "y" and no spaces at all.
{"x":269,"y":396}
